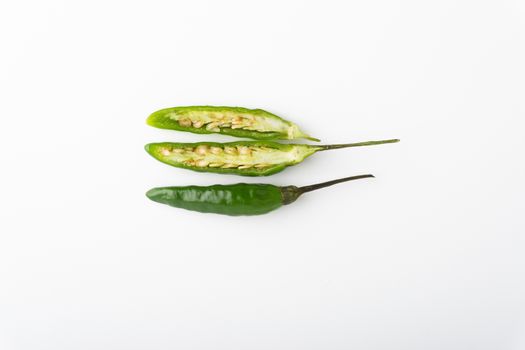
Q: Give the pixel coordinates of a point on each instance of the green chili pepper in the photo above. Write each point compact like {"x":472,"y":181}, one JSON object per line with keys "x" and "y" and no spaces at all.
{"x":237,"y":199}
{"x":234,"y":121}
{"x":247,"y":158}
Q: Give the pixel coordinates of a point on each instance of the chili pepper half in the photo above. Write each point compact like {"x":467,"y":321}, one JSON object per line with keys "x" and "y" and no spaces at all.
{"x":234,"y":121}
{"x":237,"y":199}
{"x":247,"y":158}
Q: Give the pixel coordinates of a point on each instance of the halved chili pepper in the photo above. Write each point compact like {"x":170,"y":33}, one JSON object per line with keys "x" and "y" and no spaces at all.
{"x":235,"y":121}
{"x":247,"y":158}
{"x":237,"y":199}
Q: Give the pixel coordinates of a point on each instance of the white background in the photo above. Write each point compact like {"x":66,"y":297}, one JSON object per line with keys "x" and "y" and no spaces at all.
{"x":429,"y":255}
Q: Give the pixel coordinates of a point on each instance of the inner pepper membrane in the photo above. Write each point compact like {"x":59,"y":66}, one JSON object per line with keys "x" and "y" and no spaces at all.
{"x":214,"y":121}
{"x":240,"y":156}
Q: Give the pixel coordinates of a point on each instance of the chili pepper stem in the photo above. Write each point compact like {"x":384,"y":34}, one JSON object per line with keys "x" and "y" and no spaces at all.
{"x":357,"y":144}
{"x":314,"y":187}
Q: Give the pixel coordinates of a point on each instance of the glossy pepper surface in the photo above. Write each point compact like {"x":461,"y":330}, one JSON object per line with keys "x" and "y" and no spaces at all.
{"x":234,"y":121}
{"x":247,"y":158}
{"x":237,"y":199}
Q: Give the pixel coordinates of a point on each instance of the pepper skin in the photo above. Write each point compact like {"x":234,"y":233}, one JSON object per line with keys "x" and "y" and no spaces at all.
{"x":235,"y":200}
{"x":238,"y":199}
{"x":246,"y":158}
{"x":234,"y":121}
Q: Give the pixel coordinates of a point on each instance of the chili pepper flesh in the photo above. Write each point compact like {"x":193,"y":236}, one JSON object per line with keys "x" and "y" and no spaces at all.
{"x":234,"y":121}
{"x":237,"y":199}
{"x":246,"y":158}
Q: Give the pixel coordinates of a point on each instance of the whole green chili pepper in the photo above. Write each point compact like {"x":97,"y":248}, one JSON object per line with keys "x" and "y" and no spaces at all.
{"x":237,"y":199}
{"x":247,"y":158}
{"x":235,"y":121}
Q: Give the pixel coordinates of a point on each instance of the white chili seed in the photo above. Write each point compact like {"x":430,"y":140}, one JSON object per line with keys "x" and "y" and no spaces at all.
{"x":201,"y":163}
{"x":216,"y":150}
{"x":246,"y":166}
{"x":201,"y":150}
{"x":212,"y":126}
{"x":215,"y":165}
{"x":198,"y":123}
{"x":230,"y":150}
{"x":185,"y":122}
{"x":243,"y":150}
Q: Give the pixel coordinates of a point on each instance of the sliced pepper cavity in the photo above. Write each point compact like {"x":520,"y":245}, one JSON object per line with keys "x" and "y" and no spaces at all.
{"x":234,"y":121}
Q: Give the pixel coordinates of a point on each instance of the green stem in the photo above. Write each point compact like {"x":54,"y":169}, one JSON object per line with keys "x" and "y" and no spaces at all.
{"x":358,"y":144}
{"x":330,"y":183}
